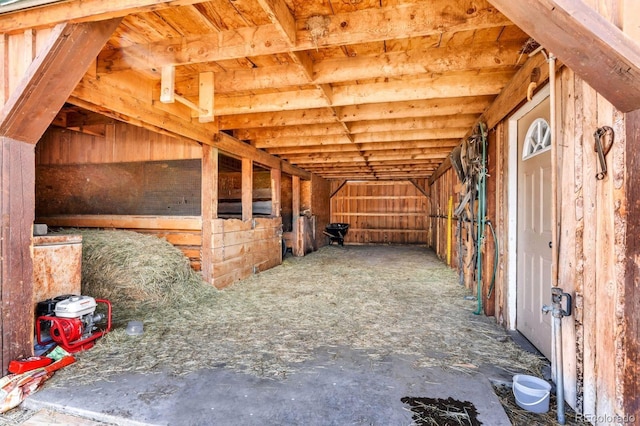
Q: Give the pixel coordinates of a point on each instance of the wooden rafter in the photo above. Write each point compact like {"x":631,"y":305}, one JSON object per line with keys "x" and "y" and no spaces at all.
{"x":87,"y":10}
{"x":34,"y":104}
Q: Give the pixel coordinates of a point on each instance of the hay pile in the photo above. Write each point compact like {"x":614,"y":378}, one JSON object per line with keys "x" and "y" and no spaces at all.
{"x":133,"y":270}
{"x":382,"y":300}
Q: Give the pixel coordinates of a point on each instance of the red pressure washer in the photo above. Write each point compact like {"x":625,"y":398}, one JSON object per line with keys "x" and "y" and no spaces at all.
{"x":71,"y":322}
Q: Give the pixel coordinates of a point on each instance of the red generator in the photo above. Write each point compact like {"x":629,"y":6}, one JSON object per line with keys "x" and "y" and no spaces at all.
{"x":71,"y":321}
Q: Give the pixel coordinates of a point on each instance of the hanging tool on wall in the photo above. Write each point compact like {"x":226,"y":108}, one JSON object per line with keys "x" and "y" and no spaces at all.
{"x":603,"y":142}
{"x":470,"y":163}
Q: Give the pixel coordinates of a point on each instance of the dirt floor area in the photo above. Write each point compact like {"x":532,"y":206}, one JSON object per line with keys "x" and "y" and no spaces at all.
{"x":362,"y":329}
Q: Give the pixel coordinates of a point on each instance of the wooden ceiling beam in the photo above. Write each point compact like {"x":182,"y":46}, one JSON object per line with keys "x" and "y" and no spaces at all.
{"x":386,"y":65}
{"x":441,"y":86}
{"x":322,"y":129}
{"x":609,"y":61}
{"x":413,"y":123}
{"x":331,"y":159}
{"x":81,"y":11}
{"x":415,"y":108}
{"x":404,"y":151}
{"x":377,"y":175}
{"x":277,"y":119}
{"x":418,"y":154}
{"x":422,"y":144}
{"x":362,"y":26}
{"x":408,"y":135}
{"x":386,"y":110}
{"x":343,"y":168}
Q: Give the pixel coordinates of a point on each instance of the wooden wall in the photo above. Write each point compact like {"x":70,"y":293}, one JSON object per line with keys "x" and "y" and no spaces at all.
{"x":592,"y":220}
{"x":591,"y":266}
{"x":442,"y":189}
{"x":121,"y":143}
{"x":455,"y":245}
{"x":381,"y":212}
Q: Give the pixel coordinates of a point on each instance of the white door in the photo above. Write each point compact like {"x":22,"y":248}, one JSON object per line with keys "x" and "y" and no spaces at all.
{"x":533,"y":285}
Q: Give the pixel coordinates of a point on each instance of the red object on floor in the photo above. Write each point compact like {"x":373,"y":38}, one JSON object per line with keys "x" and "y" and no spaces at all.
{"x":19,"y":366}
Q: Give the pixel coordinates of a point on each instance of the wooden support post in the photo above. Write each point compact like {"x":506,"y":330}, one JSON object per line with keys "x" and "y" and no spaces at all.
{"x":276,"y":194}
{"x":209,"y":208}
{"x":631,"y":352}
{"x":296,"y":250}
{"x":17,"y":177}
{"x":247,"y":189}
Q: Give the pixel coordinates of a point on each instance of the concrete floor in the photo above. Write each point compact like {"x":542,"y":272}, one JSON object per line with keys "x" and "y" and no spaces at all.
{"x":335,"y":386}
{"x":340,"y":386}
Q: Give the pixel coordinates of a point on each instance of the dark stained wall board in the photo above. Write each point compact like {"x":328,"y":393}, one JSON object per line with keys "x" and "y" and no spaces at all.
{"x":169,"y":188}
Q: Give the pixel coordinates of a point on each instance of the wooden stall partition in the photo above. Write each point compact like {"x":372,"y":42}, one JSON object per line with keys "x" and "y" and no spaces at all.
{"x":242,"y":248}
{"x":128,"y":178}
{"x":382,"y":212}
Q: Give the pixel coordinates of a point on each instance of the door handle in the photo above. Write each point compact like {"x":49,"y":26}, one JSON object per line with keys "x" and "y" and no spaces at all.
{"x":550,"y":244}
